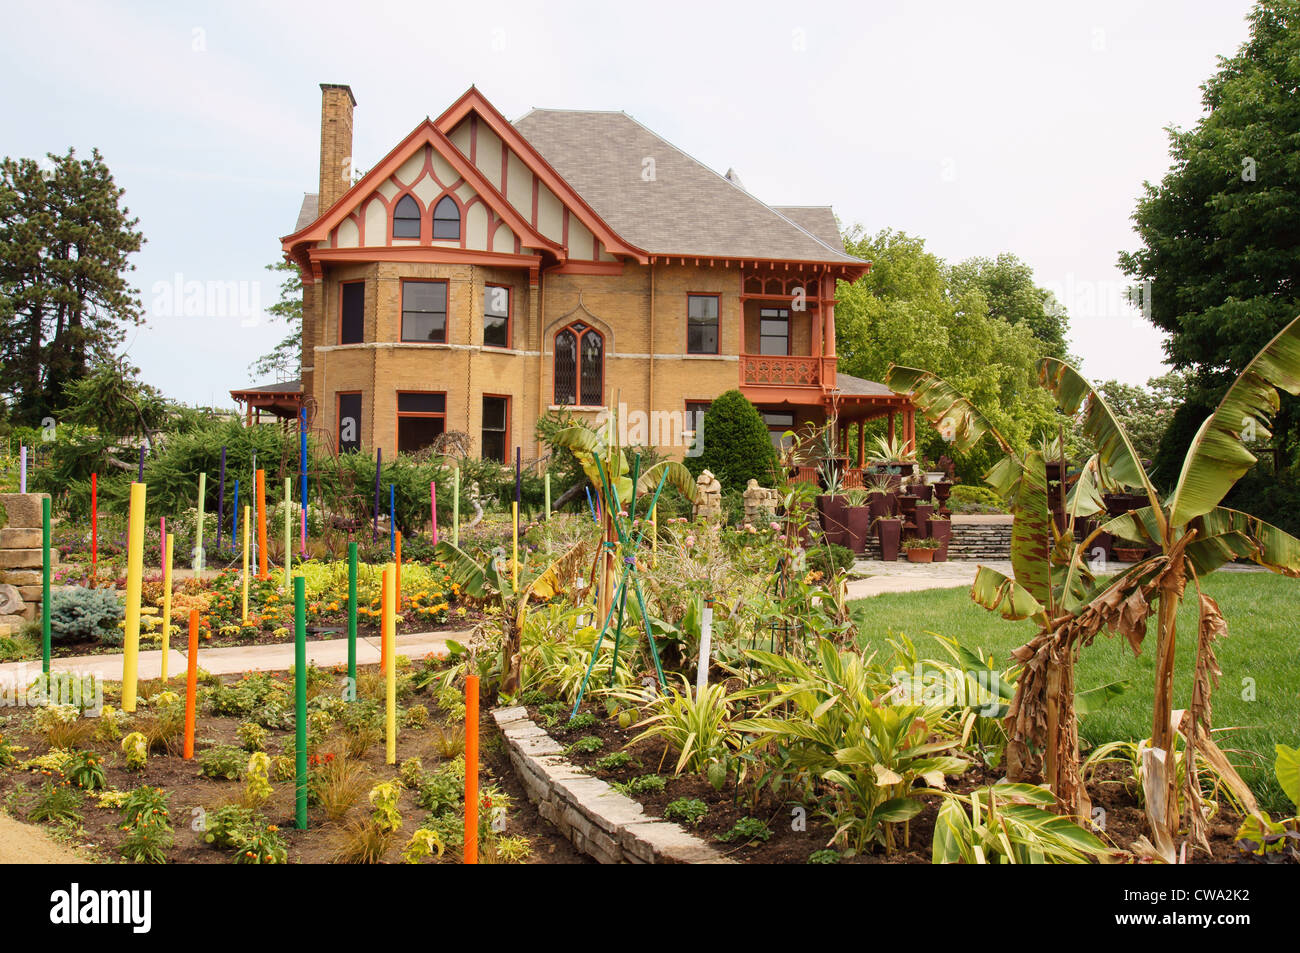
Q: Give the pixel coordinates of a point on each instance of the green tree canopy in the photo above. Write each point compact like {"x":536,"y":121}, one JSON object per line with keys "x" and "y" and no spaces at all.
{"x":1007,"y":284}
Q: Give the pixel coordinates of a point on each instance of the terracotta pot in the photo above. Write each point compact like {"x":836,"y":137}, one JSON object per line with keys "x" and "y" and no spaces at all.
{"x":919,"y":555}
{"x":1126,"y":554}
{"x":942,"y":531}
{"x":890,"y":532}
{"x":859,"y":523}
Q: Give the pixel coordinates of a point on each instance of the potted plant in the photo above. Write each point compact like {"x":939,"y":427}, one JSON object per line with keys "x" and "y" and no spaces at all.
{"x":880,"y":494}
{"x":940,"y":528}
{"x":921,"y":550}
{"x":857,"y":518}
{"x":892,"y":456}
{"x":1128,"y":552}
{"x":890,"y":531}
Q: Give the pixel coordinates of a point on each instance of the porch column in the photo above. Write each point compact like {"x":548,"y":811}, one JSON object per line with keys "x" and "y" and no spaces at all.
{"x":862,"y":451}
{"x":891,"y":426}
{"x":909,"y":418}
{"x":828,"y":325}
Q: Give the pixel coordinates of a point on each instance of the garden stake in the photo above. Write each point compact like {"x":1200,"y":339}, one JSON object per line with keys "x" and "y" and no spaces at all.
{"x":288,"y":535}
{"x":383,"y":620}
{"x":234,"y":517}
{"x":514,"y":561}
{"x":397,"y":583}
{"x":134,"y":572}
{"x":547,"y":480}
{"x":433,"y":511}
{"x":169,"y":543}
{"x":379,"y":466}
{"x":590,"y":505}
{"x":162,"y":541}
{"x":300,"y":698}
{"x":22,"y":469}
{"x":302,"y":470}
{"x":352,"y":621}
{"x":94,"y":527}
{"x":390,"y":665}
{"x":244,"y":617}
{"x":45,"y":585}
{"x":706,"y":649}
{"x":519,"y":456}
{"x":221,"y":502}
{"x":141,"y":480}
{"x":198,"y":543}
{"x":191,"y":684}
{"x":392,"y":519}
{"x":455,"y":507}
{"x":471,"y":769}
{"x":261,"y":525}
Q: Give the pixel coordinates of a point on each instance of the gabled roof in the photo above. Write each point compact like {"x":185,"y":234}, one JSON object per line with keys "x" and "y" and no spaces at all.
{"x":684,"y":209}
{"x":816,"y":220}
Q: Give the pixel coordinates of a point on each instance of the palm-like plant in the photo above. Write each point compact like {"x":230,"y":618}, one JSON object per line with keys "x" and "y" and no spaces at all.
{"x":1192,"y":532}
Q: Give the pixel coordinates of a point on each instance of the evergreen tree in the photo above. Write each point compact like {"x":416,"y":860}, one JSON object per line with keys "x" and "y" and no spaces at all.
{"x":737,"y":445}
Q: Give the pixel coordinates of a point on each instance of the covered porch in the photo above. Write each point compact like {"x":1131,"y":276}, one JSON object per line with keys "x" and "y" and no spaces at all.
{"x":282,"y":401}
{"x":852,"y":404}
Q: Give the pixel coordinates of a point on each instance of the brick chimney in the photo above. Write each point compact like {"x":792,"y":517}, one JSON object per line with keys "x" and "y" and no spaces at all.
{"x":336,"y":105}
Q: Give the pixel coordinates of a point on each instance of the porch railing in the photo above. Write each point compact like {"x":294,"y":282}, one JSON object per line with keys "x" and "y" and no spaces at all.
{"x":789,"y":371}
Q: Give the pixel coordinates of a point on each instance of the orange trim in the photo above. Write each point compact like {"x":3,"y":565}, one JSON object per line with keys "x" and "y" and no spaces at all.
{"x":508,"y":398}
{"x":718,"y":337}
{"x":472,"y":101}
{"x":401,"y":314}
{"x":431,"y":254}
{"x":397,"y":402}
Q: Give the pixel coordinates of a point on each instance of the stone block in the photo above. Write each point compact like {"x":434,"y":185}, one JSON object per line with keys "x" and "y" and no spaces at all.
{"x":21,"y":558}
{"x":22,"y":509}
{"x":21,"y":577}
{"x":15,"y":537}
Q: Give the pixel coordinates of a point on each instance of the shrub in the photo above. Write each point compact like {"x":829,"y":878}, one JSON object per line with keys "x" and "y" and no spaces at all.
{"x":85,"y":615}
{"x":688,"y":811}
{"x":737,"y":447}
{"x":222,"y":762}
{"x":967,"y":498}
{"x":56,"y":801}
{"x":135,"y":747}
{"x":829,"y":560}
{"x":252,"y":736}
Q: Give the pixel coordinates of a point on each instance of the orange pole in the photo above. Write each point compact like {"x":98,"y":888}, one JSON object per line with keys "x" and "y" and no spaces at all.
{"x":261,"y":525}
{"x":398,"y":582}
{"x":471,"y":769}
{"x":192,"y":684}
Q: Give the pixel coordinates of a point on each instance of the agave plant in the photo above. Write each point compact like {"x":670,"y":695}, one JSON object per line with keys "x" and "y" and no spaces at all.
{"x":1052,"y":584}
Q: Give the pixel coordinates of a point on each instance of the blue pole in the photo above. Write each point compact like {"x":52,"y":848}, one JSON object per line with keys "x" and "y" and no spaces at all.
{"x":392,"y":519}
{"x":590,"y":505}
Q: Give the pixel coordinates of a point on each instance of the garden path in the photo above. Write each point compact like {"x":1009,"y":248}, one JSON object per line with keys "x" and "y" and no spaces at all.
{"x":28,"y":844}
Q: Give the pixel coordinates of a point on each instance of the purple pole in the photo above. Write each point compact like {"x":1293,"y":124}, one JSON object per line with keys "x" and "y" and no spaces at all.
{"x":221,"y":497}
{"x":22,"y":468}
{"x":141,"y":480}
{"x":518,"y":458}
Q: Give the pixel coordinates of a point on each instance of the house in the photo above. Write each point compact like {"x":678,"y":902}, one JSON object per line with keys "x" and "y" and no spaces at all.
{"x":484,"y":272}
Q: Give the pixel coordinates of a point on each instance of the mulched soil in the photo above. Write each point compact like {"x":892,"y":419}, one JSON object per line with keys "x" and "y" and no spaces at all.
{"x":191,"y":792}
{"x":1125,"y":819}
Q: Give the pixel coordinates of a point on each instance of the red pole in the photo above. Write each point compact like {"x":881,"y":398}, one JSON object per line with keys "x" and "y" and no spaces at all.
{"x":94,"y":526}
{"x":471,"y":769}
{"x":191,"y":684}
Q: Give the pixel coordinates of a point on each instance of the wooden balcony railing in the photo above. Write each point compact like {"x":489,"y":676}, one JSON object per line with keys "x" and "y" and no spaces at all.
{"x":781,"y":371}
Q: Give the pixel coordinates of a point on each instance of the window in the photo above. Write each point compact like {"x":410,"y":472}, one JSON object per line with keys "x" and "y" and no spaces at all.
{"x":352,"y":320}
{"x":496,"y":420}
{"x":693,"y":425}
{"x":579,"y":366}
{"x":446,"y":218}
{"x":349,"y":435}
{"x":406,"y":218}
{"x":496,"y":316}
{"x":424,"y":311}
{"x":777,"y":426}
{"x":773,"y":331}
{"x":421,"y":419}
{"x":701,"y":324}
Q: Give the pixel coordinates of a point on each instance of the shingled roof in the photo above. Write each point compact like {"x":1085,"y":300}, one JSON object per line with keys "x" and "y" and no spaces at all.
{"x":816,"y":220}
{"x":686,"y":209}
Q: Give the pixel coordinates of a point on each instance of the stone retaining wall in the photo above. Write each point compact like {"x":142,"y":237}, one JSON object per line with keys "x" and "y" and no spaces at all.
{"x":21,"y":555}
{"x":602,"y":823}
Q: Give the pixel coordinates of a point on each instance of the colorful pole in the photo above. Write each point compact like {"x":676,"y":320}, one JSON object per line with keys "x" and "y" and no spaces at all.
{"x":518,"y":473}
{"x":392,"y":519}
{"x":390,"y":664}
{"x":247,"y":520}
{"x":548,"y":494}
{"x":261,"y":525}
{"x":471,"y":769}
{"x":162,"y":540}
{"x":300,"y":699}
{"x":198,"y":542}
{"x":169,"y":544}
{"x":514,"y":562}
{"x":141,"y":480}
{"x":379,"y":466}
{"x":288,"y":534}
{"x":221,"y":501}
{"x":134,"y":574}
{"x":234,"y":519}
{"x":455,"y":507}
{"x":302,"y":470}
{"x":654,"y":533}
{"x":383,"y":620}
{"x":433,"y":511}
{"x":22,"y":469}
{"x":591,"y":505}
{"x":352,"y":619}
{"x":45,"y":584}
{"x":94,"y":527}
{"x":397,"y":554}
{"x":191,"y":684}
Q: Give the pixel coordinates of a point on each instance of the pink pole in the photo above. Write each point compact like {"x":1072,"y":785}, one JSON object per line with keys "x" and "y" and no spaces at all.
{"x":162,"y":536}
{"x":433,"y":509}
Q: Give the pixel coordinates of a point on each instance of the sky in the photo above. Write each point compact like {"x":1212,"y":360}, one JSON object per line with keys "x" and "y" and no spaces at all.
{"x":981,"y":127}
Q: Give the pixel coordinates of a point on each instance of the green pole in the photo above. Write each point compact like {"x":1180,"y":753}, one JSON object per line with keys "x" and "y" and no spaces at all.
{"x":300,"y":696}
{"x":352,"y":620}
{"x":45,"y":585}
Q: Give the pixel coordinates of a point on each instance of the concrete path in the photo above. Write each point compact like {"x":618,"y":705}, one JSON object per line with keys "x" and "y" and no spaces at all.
{"x":902,"y":576}
{"x":239,"y":658}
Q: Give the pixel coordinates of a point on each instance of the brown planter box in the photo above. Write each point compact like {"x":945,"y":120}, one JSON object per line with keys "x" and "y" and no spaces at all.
{"x":859,"y":522}
{"x":890,"y":531}
{"x":942,"y":531}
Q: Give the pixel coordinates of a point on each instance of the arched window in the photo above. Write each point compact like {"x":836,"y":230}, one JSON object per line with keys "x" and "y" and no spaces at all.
{"x":406,"y":218}
{"x":579,"y":366}
{"x":446,"y":218}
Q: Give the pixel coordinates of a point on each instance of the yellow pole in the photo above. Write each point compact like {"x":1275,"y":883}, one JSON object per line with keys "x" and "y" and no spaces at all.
{"x":390,"y":660}
{"x":134,"y":577}
{"x":167,"y":601}
{"x":244,"y":617}
{"x":288,"y":537}
{"x":514,"y":563}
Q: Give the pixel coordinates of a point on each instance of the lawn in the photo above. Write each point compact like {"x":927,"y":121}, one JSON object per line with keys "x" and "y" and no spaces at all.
{"x":1258,"y":698}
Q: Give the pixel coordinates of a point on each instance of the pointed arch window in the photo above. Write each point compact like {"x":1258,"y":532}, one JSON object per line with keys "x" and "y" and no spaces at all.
{"x":406,"y":218}
{"x":446,"y":218}
{"x":579,"y":366}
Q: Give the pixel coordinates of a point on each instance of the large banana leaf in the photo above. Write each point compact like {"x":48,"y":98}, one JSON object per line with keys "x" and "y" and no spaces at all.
{"x":1267,"y":545}
{"x":586,"y":445}
{"x":999,"y":593}
{"x":1218,"y":457}
{"x":1114,"y":449}
{"x":946,"y":409}
{"x":1086,"y":496}
{"x":475,"y":580}
{"x":1136,"y":526}
{"x":1031,"y":531}
{"x":678,"y":477}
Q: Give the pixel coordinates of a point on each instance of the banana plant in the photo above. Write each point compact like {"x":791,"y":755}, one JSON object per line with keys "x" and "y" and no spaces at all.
{"x":491,"y":580}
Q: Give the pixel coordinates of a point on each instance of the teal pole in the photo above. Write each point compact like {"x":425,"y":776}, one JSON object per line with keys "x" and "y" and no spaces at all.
{"x":45,"y":585}
{"x":352,"y":619}
{"x":300,"y":696}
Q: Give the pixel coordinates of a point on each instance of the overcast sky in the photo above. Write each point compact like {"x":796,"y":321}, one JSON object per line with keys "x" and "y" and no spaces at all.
{"x":981,"y":127}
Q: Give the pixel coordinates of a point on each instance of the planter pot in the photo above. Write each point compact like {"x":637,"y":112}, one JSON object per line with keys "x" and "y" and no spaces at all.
{"x":942,"y":491}
{"x":879,"y":504}
{"x":906,"y":504}
{"x":835,"y":522}
{"x":918,"y":555}
{"x":890,"y":531}
{"x":859,"y":523}
{"x":942,"y":531}
{"x":1126,"y":554}
{"x":923,"y":492}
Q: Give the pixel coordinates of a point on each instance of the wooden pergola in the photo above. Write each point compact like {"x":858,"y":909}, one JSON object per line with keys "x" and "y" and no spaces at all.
{"x":282,"y":401}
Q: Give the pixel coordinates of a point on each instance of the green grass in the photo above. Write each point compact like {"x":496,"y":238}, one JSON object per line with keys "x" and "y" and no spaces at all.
{"x":1262,"y":647}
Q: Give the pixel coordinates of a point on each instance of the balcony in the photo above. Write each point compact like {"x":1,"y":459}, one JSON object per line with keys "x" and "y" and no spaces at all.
{"x":780,"y":370}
